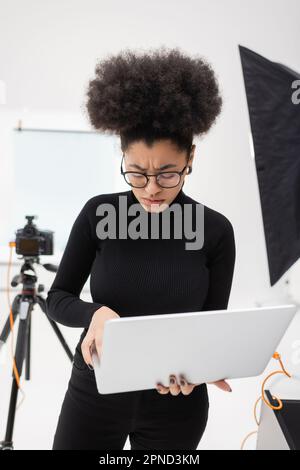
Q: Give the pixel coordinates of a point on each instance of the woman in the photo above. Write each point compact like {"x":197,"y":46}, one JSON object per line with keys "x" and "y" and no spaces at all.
{"x":156,"y":102}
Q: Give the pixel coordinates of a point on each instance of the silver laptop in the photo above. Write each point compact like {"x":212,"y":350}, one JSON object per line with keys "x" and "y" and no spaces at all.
{"x":206,"y":346}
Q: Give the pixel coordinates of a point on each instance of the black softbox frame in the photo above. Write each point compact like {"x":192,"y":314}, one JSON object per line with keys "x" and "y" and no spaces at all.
{"x":275,"y":128}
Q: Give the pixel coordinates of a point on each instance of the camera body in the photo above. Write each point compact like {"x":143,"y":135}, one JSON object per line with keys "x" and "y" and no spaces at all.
{"x":30,"y":241}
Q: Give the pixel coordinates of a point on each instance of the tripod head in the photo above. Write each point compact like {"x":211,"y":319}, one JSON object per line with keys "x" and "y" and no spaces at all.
{"x":29,"y":280}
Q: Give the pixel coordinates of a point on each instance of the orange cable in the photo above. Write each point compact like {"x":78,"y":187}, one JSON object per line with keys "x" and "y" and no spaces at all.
{"x":277,"y":356}
{"x":11,"y":322}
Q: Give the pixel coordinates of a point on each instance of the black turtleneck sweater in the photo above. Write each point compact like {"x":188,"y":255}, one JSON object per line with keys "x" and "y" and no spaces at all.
{"x":141,"y":276}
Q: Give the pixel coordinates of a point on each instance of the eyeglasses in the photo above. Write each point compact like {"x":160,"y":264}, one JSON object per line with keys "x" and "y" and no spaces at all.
{"x":165,"y":179}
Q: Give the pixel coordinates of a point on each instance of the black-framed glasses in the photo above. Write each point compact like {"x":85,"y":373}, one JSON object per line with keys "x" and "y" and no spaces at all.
{"x":164,"y":179}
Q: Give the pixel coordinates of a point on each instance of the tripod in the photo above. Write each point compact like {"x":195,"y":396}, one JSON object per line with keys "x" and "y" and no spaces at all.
{"x":22,"y":306}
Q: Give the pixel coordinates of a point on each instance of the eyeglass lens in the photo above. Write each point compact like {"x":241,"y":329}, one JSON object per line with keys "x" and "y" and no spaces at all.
{"x":165,"y":180}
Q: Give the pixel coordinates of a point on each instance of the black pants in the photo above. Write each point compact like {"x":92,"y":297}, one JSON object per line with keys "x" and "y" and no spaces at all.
{"x":89,"y":420}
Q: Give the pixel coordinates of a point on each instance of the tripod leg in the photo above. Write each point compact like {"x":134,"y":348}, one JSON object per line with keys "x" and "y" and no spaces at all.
{"x":42,"y":303}
{"x":27,"y":349}
{"x":25,"y":308}
{"x":6,"y":329}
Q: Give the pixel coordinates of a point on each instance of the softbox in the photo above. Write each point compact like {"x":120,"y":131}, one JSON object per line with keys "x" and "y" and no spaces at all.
{"x":275,"y":126}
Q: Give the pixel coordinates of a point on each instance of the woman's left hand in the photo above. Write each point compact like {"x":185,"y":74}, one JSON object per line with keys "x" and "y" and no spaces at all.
{"x":176,"y":387}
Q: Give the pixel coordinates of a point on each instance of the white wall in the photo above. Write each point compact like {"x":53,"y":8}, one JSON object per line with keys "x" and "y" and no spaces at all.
{"x":48,"y":52}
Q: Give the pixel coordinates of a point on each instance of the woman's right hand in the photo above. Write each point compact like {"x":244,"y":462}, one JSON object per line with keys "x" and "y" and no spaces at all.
{"x":95,"y":332}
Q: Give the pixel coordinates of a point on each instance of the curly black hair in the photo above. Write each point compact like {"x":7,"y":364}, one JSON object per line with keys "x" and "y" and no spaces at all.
{"x":162,"y":93}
